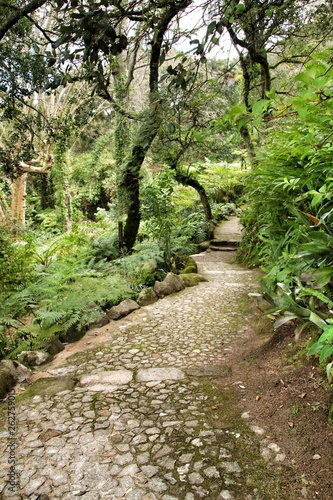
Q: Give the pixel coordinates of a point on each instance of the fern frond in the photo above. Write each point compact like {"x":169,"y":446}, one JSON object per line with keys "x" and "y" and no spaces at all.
{"x":306,"y":292}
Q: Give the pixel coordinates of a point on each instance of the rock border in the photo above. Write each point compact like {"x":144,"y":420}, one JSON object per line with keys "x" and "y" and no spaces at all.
{"x":172,"y":283}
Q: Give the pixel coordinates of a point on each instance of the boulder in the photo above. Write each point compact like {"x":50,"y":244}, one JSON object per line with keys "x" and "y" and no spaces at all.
{"x":171,"y":284}
{"x":123,"y":309}
{"x":192,"y":279}
{"x":7,"y":382}
{"x":104,"y":320}
{"x":190,"y":267}
{"x":32,"y":358}
{"x":20,"y":372}
{"x":203,"y":246}
{"x":147,"y":296}
{"x":50,"y":386}
{"x":73,"y":334}
{"x":95,"y":316}
{"x":53,"y":346}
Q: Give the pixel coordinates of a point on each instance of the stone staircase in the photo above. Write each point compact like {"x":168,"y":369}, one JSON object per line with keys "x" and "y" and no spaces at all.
{"x":223,"y":245}
{"x":227,"y":236}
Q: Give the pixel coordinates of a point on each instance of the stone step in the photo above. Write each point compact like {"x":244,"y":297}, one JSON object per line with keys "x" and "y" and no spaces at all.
{"x":223,"y":243}
{"x":223,"y":248}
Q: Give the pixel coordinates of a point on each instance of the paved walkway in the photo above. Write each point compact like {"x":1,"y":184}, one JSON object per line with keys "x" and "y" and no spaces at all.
{"x":143,"y":417}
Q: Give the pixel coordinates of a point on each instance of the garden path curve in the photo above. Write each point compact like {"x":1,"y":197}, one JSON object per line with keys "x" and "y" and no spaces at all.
{"x":141,"y":413}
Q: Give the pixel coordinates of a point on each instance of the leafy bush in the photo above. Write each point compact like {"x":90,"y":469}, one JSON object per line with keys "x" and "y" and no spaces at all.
{"x":15,"y":260}
{"x":105,"y":247}
{"x":289,"y":220}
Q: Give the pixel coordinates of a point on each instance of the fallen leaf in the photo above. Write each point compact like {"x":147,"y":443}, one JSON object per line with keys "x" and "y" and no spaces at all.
{"x":302,"y":395}
{"x":258,"y":397}
{"x":291,"y":424}
{"x":214,"y":407}
{"x":316,"y":457}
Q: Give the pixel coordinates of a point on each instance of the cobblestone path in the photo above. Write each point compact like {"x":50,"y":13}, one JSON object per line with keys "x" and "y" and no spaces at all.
{"x":143,"y":416}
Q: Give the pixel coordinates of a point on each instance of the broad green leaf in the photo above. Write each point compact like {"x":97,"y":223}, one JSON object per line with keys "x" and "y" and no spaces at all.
{"x":326,"y":352}
{"x":237,"y":110}
{"x":302,"y":111}
{"x":329,"y":372}
{"x":307,"y":76}
{"x":219,"y":27}
{"x":244,"y":121}
{"x":323,"y":276}
{"x":171,"y":128}
{"x":240,"y":8}
{"x":211,"y":28}
{"x":314,"y":349}
{"x":259,"y":106}
{"x":284,"y":319}
{"x":317,"y":320}
{"x":316,"y":199}
{"x":197,"y":136}
{"x":271,"y":94}
{"x":257,"y":121}
{"x":321,"y":82}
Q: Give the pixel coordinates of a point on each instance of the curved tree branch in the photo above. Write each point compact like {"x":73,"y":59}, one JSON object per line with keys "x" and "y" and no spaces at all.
{"x":19,"y":13}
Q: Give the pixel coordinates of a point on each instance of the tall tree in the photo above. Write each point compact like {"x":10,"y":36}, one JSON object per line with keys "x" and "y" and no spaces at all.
{"x":100,"y":38}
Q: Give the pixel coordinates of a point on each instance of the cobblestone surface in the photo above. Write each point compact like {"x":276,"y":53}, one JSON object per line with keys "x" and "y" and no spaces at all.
{"x":143,"y":420}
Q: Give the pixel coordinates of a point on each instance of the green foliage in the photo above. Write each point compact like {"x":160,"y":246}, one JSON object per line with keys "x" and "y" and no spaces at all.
{"x":105,"y":247}
{"x":288,"y":223}
{"x":157,"y":211}
{"x":224,"y":183}
{"x":324,"y":345}
{"x":93,"y":176}
{"x":15,"y":260}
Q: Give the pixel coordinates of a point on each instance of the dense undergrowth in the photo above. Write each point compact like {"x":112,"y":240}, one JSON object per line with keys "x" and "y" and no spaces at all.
{"x":53,"y":281}
{"x":289,"y":218}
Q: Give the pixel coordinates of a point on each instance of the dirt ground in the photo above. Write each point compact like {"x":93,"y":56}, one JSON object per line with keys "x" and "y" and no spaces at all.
{"x":287,"y":395}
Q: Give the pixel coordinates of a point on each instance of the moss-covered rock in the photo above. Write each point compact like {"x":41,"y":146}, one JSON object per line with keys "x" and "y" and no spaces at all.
{"x":34,"y":358}
{"x":123,"y":309}
{"x":190,"y":267}
{"x":53,"y":346}
{"x":48,"y":386}
{"x":147,"y":296}
{"x":203,"y":246}
{"x":172,"y":283}
{"x":192,"y":279}
{"x":7,"y":382}
{"x":73,"y":334}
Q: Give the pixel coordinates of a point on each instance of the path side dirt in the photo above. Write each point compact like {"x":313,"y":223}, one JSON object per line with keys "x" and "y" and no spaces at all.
{"x":287,"y":394}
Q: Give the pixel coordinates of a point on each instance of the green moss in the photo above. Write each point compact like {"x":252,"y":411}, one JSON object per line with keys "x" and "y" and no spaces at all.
{"x":192,"y":279}
{"x":245,"y":445}
{"x":190,"y":267}
{"x":47,"y":387}
{"x":7,"y":382}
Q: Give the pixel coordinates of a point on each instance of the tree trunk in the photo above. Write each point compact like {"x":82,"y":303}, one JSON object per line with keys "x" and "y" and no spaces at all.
{"x":19,"y":189}
{"x":148,"y":129}
{"x":3,"y":207}
{"x":131,"y":185}
{"x":244,"y":131}
{"x":186,"y":180}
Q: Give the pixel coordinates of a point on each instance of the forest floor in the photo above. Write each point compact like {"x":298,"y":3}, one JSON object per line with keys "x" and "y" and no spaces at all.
{"x":193,"y":397}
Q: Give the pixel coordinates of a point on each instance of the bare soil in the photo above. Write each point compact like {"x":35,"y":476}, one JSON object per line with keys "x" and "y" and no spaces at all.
{"x":287,"y":394}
